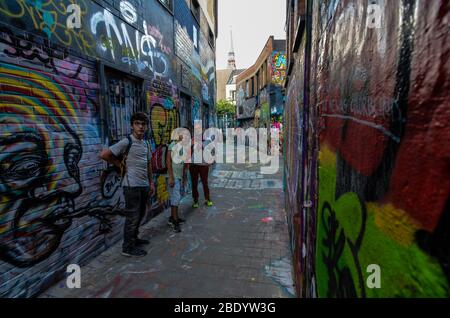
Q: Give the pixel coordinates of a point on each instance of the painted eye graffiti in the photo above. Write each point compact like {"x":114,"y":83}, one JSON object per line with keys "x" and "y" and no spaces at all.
{"x":72,"y":156}
{"x":23,"y":168}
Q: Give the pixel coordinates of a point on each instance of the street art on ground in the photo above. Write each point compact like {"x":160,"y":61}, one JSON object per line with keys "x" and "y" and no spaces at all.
{"x":384,"y":180}
{"x":280,"y":271}
{"x":243,"y":180}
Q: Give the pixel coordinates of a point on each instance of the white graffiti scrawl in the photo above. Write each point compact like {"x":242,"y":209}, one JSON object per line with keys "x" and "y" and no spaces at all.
{"x":141,"y":50}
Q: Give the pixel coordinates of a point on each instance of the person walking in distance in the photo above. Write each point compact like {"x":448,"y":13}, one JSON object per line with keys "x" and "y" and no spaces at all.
{"x":132,"y":156}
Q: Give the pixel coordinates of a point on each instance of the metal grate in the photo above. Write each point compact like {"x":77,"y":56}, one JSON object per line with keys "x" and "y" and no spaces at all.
{"x":125,"y":97}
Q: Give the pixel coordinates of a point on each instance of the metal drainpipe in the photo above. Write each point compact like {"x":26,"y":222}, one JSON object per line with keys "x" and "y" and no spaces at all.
{"x":305,"y":125}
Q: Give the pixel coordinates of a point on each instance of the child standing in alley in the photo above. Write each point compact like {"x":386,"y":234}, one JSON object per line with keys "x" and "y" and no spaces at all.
{"x":177,"y":182}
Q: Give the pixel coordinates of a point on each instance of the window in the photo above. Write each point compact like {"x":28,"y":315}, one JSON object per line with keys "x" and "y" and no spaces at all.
{"x":125,"y":97}
{"x":264,"y":74}
{"x":185,"y":111}
{"x":195,"y":32}
{"x":257,"y":83}
{"x":273,"y":99}
{"x":168,"y":4}
{"x":195,"y":8}
{"x":211,"y":38}
{"x":205,"y":117}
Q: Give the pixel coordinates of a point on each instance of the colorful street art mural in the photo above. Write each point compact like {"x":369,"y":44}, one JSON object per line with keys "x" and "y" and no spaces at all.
{"x":264,"y":111}
{"x":292,"y":166}
{"x":261,"y":88}
{"x":163,"y":102}
{"x":383,"y":176}
{"x":278,"y":67}
{"x":49,"y":139}
{"x":59,"y":203}
{"x":121,"y":37}
{"x":196,"y":110}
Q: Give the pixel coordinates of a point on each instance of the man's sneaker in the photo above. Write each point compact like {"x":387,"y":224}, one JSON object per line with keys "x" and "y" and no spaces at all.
{"x":134,"y":252}
{"x":172,"y":222}
{"x":175,"y":225}
{"x":196,"y":205}
{"x":142,"y":242}
{"x":176,"y":228}
{"x":209,"y":203}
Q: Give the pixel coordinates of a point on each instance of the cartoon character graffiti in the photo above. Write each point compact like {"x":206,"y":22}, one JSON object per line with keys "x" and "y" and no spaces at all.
{"x":37,"y":194}
{"x":278,"y":67}
{"x":40,"y":175}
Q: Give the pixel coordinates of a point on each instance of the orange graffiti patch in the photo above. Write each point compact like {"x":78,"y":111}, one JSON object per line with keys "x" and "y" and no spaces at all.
{"x":4,"y":228}
{"x":395,"y":223}
{"x":161,"y":189}
{"x":327,"y":157}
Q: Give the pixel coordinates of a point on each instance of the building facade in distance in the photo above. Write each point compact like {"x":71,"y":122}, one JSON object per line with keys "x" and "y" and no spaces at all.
{"x":260,"y":88}
{"x":226,"y":79}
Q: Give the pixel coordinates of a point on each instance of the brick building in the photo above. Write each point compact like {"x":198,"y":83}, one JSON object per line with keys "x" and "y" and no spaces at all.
{"x":71,"y":74}
{"x":260,"y":88}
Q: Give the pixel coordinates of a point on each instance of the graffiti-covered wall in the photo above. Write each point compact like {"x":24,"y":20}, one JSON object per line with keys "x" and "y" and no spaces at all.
{"x":196,"y":61}
{"x":133,"y":36}
{"x":71,"y":73}
{"x":278,"y":67}
{"x":260,"y":91}
{"x":383,"y":142}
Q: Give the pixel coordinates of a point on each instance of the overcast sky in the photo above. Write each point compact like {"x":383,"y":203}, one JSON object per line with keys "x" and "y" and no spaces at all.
{"x":253,"y":21}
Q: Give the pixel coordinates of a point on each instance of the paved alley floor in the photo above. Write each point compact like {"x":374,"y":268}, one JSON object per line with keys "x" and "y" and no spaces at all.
{"x":237,"y":249}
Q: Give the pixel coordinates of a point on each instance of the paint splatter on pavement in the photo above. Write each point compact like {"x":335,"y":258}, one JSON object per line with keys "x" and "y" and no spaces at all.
{"x":237,"y":248}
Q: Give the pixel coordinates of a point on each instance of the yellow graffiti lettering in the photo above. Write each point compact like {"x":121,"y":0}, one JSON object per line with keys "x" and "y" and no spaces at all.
{"x":163,"y":122}
{"x":161,"y":190}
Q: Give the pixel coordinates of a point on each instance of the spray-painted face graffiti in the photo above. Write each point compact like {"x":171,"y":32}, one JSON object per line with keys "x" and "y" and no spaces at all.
{"x":39,"y":172}
{"x":39,"y":181}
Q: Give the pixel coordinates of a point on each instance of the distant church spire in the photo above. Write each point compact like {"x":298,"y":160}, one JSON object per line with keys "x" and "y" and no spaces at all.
{"x":231,"y":56}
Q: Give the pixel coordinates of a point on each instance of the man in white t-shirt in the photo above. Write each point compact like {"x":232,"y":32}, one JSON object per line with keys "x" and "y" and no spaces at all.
{"x":138,"y":185}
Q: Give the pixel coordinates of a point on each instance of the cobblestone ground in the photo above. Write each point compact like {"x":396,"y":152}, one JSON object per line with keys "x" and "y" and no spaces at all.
{"x":238,"y":248}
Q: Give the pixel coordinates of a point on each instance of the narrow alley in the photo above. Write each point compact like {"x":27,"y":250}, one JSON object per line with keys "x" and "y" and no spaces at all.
{"x":99,"y":97}
{"x":238,"y":248}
